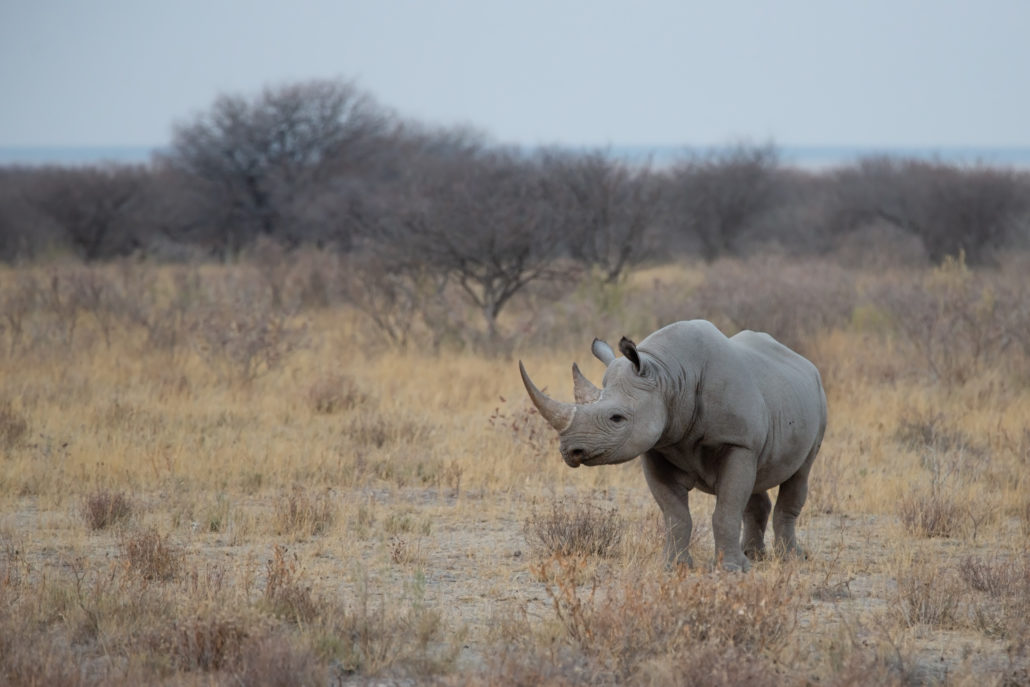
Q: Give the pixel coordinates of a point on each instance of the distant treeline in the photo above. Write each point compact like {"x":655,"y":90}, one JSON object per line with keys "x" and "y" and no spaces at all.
{"x":322,"y":164}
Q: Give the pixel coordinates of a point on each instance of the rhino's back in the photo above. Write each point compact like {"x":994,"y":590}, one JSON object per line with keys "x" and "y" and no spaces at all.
{"x":771,"y":359}
{"x":789,"y":383}
{"x":785,"y":380}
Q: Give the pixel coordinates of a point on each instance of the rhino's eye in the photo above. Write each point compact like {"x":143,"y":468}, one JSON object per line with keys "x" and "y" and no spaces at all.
{"x":616,"y":418}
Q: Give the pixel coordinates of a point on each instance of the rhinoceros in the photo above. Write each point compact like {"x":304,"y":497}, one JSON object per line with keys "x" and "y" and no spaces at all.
{"x":732,"y":417}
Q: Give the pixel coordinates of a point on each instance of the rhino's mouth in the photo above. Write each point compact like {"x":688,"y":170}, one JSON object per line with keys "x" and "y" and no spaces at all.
{"x":578,"y":457}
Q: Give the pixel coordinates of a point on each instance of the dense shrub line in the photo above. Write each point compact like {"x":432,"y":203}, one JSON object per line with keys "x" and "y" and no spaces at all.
{"x":412,"y":210}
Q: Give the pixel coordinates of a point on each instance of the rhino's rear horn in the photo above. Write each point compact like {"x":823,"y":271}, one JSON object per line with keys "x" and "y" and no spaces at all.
{"x":558,"y":415}
{"x":629,"y":349}
{"x":583,"y":388}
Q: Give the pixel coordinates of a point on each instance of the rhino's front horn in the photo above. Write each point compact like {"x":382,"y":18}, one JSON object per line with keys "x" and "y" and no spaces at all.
{"x":558,"y":415}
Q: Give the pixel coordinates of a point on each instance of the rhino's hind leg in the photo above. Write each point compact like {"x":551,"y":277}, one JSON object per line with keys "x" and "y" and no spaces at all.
{"x":789,"y":501}
{"x":756,"y":517}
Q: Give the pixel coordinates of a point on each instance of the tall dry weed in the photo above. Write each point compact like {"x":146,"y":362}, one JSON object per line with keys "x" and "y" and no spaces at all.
{"x":287,"y":595}
{"x":951,"y":462}
{"x":525,"y":426}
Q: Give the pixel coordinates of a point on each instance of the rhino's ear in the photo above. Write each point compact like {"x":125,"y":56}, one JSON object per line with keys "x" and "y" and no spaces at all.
{"x":629,"y":349}
{"x":602,"y":351}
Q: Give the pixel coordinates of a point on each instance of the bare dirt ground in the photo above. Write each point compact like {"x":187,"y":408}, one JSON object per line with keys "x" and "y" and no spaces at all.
{"x":471,"y":557}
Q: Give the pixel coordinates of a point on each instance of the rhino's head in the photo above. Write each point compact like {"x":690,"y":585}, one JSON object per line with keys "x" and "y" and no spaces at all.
{"x":610,"y":425}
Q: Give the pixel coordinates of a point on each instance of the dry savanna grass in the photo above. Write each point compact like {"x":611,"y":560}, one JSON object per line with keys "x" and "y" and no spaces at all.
{"x":205,"y":484}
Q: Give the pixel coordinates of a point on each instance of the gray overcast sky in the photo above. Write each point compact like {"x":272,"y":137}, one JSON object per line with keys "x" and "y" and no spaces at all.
{"x":797,"y":72}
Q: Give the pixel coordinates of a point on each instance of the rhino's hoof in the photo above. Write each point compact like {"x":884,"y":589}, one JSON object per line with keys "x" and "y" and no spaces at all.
{"x":679,"y":562}
{"x":737,"y":567}
{"x":793,"y":551}
{"x":742,"y":566}
{"x":733,"y":564}
{"x":756,"y":553}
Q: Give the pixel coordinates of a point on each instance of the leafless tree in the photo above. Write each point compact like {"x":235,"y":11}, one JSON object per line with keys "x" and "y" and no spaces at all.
{"x":976,"y":211}
{"x":613,"y":208}
{"x":257,"y":163}
{"x":719,"y":196}
{"x":491,"y":220}
{"x":95,"y":207}
{"x":19,"y":235}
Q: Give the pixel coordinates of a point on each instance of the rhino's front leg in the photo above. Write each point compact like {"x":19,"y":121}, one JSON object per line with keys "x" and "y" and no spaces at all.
{"x":671,"y":493}
{"x":736,"y":481}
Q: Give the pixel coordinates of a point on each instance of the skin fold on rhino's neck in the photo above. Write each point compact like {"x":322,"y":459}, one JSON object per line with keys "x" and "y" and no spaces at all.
{"x":681,"y":388}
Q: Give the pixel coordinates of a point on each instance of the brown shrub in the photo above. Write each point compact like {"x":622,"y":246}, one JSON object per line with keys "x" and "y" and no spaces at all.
{"x":712,"y":664}
{"x":13,"y":426}
{"x":334,"y":393}
{"x":204,"y":643}
{"x":709,"y":664}
{"x":863,"y":664}
{"x":575,"y":527}
{"x":995,"y":576}
{"x":18,"y":302}
{"x":242,"y":332}
{"x":934,"y":433}
{"x":927,"y":594}
{"x":1005,"y":604}
{"x":302,"y":515}
{"x":530,"y":667}
{"x":30,"y":660}
{"x":235,"y":647}
{"x":932,"y":513}
{"x":956,"y":320}
{"x":386,"y":635}
{"x":377,"y":430}
{"x":104,"y":508}
{"x":405,"y":552}
{"x":640,"y":621}
{"x":151,"y":556}
{"x":791,"y":300}
{"x":1024,"y":520}
{"x":274,"y":661}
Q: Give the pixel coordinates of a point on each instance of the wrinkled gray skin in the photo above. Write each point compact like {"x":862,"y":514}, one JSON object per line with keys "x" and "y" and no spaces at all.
{"x":732,"y":417}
